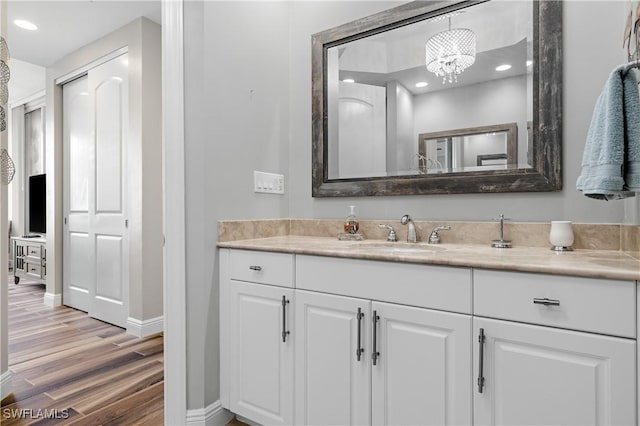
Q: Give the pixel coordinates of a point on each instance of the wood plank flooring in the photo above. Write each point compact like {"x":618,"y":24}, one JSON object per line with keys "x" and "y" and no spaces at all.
{"x":70,"y":369}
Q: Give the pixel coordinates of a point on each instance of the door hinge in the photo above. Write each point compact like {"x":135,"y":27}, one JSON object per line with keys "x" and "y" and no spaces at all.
{"x":126,"y":223}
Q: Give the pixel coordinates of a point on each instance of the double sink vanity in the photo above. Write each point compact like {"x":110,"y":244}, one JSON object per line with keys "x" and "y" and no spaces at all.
{"x":320,"y":331}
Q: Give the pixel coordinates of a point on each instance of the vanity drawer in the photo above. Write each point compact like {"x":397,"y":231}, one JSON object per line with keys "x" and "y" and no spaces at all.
{"x":435,"y":287}
{"x":262,"y":267}
{"x":594,"y":305}
{"x":33,"y":269}
{"x":34,"y":251}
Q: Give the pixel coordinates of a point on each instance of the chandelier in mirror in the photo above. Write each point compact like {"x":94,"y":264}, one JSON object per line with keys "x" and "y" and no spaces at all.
{"x":450,"y":52}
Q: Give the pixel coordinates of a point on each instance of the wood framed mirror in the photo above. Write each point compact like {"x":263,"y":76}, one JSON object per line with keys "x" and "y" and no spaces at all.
{"x":368,"y":110}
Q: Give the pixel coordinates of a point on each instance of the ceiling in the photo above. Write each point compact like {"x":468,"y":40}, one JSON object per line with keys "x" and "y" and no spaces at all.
{"x":65,"y":26}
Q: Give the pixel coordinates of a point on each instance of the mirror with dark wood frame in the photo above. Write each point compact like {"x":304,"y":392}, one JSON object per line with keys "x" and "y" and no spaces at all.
{"x":397,"y":112}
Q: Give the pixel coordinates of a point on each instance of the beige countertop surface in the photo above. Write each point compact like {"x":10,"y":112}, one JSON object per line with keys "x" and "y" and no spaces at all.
{"x":611,"y":264}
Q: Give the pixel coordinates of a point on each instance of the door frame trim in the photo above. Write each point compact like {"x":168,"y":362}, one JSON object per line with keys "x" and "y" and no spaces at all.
{"x":175,"y":275}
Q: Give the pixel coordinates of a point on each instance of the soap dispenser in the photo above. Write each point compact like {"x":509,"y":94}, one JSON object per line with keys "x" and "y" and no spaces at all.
{"x":351,"y":224}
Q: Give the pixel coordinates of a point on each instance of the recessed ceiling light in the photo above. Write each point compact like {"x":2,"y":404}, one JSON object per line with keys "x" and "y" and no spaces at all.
{"x":529,"y":63}
{"x":503,"y":67}
{"x":348,"y":80}
{"x":422,"y":84}
{"x":26,"y":25}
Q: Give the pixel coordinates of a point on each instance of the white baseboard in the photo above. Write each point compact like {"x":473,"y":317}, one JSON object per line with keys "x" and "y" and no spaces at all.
{"x":145,"y":328}
{"x":5,"y":384}
{"x":212,"y":415}
{"x":51,"y":299}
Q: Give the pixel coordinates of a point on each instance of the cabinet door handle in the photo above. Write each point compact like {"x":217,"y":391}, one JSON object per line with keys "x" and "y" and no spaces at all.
{"x":375,"y":354}
{"x":359,"y":349}
{"x":255,"y":268}
{"x":546,"y":302}
{"x":481,"y":361}
{"x":285,"y":332}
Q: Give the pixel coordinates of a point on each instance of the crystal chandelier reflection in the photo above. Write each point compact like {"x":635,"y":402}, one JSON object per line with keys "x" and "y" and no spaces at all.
{"x":450,"y":52}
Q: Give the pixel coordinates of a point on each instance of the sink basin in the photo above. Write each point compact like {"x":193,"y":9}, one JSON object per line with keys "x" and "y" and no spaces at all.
{"x":398,"y":248}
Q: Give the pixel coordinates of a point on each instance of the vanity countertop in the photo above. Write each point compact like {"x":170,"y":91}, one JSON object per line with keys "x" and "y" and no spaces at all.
{"x":609,"y":264}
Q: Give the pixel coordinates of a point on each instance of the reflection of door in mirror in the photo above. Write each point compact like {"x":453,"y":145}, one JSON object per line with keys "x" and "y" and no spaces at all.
{"x":361,"y":142}
{"x":357,"y":124}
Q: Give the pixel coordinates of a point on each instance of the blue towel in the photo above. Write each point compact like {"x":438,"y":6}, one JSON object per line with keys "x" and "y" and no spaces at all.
{"x":611,"y":160}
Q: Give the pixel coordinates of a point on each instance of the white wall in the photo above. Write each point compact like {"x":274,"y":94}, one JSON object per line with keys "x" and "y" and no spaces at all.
{"x":402,"y":146}
{"x":248,"y":107}
{"x":26,"y":79}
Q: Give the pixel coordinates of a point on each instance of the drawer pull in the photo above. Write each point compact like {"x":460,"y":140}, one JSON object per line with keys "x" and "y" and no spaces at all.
{"x":285,"y":332}
{"x":359,"y":349}
{"x":375,"y":354}
{"x":481,"y":361}
{"x":255,"y":268}
{"x":546,"y":302}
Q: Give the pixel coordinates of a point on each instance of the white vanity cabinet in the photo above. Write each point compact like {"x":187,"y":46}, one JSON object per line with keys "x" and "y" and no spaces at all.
{"x":422,"y":372}
{"x":392,"y":343}
{"x":531,"y":369}
{"x":333,"y":360}
{"x":415,"y":363}
{"x":257,"y":336}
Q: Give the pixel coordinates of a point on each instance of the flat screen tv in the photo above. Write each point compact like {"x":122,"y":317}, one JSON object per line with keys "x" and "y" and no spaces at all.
{"x":38,"y":204}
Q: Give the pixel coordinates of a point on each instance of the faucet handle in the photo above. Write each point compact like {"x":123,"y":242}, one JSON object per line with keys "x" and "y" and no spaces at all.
{"x":501,"y":218}
{"x":434,"y":237}
{"x":392,"y":237}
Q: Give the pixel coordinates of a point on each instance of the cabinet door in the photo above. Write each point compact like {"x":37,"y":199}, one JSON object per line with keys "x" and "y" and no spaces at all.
{"x":546,"y":376}
{"x":333,"y":386}
{"x":261,"y":379}
{"x":423,"y":372}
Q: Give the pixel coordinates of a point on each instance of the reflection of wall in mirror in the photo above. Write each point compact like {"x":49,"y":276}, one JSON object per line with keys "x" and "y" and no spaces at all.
{"x":493,"y":102}
{"x":487,"y":144}
{"x":402,"y":146}
{"x":34,"y":137}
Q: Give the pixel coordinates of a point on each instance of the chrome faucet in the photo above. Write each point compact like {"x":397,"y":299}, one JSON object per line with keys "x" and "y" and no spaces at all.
{"x":501,"y":243}
{"x":434,"y":237}
{"x":411,"y":228}
{"x":392,"y":233}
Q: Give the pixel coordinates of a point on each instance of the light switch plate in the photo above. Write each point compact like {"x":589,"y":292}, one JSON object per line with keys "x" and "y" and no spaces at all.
{"x":269,"y":183}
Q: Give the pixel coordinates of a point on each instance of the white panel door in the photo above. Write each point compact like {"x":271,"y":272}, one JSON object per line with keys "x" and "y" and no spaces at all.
{"x":96,"y":250}
{"x":423,"y":373}
{"x":78,"y":254}
{"x":537,"y":375}
{"x":261,"y":376}
{"x":108,"y":93}
{"x":333,"y":380}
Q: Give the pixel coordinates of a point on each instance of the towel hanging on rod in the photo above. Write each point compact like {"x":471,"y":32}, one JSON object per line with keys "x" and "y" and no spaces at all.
{"x":630,"y":66}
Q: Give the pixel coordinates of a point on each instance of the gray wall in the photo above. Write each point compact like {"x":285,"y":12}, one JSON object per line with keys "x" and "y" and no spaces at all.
{"x":248,"y":107}
{"x":592,"y":34}
{"x":236,"y":121}
{"x":492,"y":102}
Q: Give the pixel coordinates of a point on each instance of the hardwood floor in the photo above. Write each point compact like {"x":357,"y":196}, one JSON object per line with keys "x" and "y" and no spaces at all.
{"x":70,"y":369}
